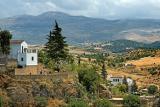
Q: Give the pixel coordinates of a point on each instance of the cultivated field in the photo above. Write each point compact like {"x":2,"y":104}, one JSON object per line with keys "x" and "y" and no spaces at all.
{"x":143,"y":78}
{"x":147,"y":61}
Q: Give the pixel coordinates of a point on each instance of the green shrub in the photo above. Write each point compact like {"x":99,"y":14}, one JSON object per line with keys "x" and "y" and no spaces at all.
{"x":1,"y":102}
{"x":131,"y":101}
{"x":115,"y":91}
{"x":153,"y":70}
{"x":41,"y":101}
{"x":122,"y":88}
{"x":89,"y":78}
{"x":103,"y":103}
{"x":77,"y":103}
{"x":152,"y":89}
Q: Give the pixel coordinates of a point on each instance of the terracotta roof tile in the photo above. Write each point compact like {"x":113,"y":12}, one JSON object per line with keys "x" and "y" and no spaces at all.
{"x":16,"y":42}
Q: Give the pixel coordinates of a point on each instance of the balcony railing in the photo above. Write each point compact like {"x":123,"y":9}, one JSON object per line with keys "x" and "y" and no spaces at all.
{"x":29,"y":50}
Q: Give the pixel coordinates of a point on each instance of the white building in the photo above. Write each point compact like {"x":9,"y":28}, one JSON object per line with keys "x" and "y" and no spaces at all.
{"x":25,"y":55}
{"x":130,"y":83}
{"x":115,"y":80}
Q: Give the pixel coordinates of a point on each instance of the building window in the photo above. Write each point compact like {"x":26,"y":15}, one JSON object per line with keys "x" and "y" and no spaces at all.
{"x":114,"y":80}
{"x":32,"y":58}
{"x":118,"y":80}
{"x":21,"y":59}
{"x":22,"y":49}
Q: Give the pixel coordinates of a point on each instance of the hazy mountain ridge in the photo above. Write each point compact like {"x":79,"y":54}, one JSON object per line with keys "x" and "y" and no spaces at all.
{"x":126,"y":45}
{"x":79,"y":28}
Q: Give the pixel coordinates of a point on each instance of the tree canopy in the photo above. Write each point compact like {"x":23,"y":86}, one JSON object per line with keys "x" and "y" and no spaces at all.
{"x":56,"y":47}
{"x":77,"y":103}
{"x":152,"y":89}
{"x":103,"y":103}
{"x":131,"y":101}
{"x":5,"y":37}
{"x":89,"y":78}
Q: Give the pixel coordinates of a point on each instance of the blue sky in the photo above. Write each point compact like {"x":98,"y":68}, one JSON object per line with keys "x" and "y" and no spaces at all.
{"x":108,"y":9}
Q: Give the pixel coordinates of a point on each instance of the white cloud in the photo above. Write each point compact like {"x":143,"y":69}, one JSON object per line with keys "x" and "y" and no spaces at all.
{"x":93,"y":8}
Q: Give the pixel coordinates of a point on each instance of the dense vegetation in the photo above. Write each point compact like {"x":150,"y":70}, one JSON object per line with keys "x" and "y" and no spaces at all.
{"x":89,"y":79}
{"x":123,"y":45}
{"x":131,"y":101}
{"x":56,"y":47}
{"x":5,"y":37}
{"x":118,"y":60}
{"x":152,"y":89}
{"x":103,"y":103}
{"x":77,"y":103}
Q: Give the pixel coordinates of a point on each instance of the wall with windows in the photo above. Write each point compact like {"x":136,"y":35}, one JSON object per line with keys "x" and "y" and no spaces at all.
{"x":116,"y":80}
{"x":22,"y":59}
{"x":31,"y":59}
{"x":25,"y":59}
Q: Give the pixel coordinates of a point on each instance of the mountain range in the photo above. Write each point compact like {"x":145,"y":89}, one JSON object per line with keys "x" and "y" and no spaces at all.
{"x":80,"y":29}
{"x":127,"y":45}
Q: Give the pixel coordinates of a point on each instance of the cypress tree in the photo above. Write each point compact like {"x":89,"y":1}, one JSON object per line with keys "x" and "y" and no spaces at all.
{"x":104,"y":72}
{"x":134,"y":87}
{"x":125,"y":82}
{"x":56,"y":46}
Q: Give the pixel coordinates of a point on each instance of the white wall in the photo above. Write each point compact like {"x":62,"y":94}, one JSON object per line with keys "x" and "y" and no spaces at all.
{"x":129,"y":81}
{"x":29,"y":59}
{"x":20,"y":62}
{"x":116,"y":80}
{"x":24,"y":45}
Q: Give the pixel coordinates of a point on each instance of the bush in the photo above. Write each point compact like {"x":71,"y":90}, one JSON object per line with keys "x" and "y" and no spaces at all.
{"x":103,"y":103}
{"x":115,"y":91}
{"x":89,"y":78}
{"x":41,"y":101}
{"x":77,"y":103}
{"x":1,"y":102}
{"x":152,"y":71}
{"x":131,"y":101}
{"x":134,"y":87}
{"x":152,"y":89}
{"x":122,"y":88}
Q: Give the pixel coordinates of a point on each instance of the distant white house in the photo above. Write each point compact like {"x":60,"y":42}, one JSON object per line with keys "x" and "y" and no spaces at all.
{"x":25,"y":55}
{"x":115,"y":80}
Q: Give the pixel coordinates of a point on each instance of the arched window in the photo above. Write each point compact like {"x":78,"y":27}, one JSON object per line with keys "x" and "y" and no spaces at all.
{"x":22,"y":49}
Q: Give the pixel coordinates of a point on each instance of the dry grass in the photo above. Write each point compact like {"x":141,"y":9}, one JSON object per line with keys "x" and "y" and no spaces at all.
{"x":147,"y":61}
{"x":55,"y":103}
{"x":143,"y":78}
{"x":127,"y":74}
{"x":78,"y":51}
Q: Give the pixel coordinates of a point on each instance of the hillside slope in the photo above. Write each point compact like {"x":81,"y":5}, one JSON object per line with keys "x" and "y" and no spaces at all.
{"x":79,"y":28}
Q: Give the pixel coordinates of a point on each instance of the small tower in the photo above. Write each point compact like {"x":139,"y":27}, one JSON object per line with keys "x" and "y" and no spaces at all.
{"x":104,"y":72}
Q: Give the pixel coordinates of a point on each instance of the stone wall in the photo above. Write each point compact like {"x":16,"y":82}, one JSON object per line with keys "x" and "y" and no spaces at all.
{"x":32,"y":70}
{"x":55,"y":76}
